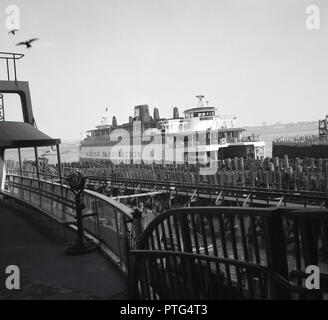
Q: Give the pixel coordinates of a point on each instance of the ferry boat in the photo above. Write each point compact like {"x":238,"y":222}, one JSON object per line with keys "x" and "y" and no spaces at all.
{"x":200,"y":135}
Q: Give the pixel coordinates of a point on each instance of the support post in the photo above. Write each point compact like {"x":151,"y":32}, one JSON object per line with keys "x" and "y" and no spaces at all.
{"x":20,"y":171}
{"x":59,"y":164}
{"x":137,"y":224}
{"x":37,"y":163}
{"x":20,"y":162}
{"x":276,"y":252}
{"x":2,"y":169}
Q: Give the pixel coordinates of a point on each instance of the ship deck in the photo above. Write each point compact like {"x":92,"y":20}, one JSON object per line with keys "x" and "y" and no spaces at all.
{"x":37,"y":246}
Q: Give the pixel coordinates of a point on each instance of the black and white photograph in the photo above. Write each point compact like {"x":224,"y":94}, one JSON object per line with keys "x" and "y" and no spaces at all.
{"x":168,"y":150}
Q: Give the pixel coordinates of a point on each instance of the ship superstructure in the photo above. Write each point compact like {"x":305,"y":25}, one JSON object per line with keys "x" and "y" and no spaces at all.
{"x":199,"y":135}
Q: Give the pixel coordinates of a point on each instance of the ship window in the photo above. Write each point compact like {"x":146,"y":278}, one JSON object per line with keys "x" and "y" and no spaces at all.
{"x":185,"y":141}
{"x":208,"y":138}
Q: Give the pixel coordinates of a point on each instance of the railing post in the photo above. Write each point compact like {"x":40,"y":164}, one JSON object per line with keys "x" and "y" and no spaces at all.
{"x":326,"y":183}
{"x":2,"y":169}
{"x":20,"y":162}
{"x":15,"y":72}
{"x":187,"y":247}
{"x":38,"y":172}
{"x":137,"y":224}
{"x":276,"y":252}
{"x":8,"y":73}
{"x":310,"y":230}
{"x":59,"y":164}
{"x":37,"y":163}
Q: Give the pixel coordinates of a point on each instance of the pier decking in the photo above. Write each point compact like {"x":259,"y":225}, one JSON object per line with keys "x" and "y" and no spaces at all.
{"x":37,"y":246}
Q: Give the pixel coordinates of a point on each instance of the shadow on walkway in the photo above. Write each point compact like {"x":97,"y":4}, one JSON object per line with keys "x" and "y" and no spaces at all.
{"x":37,"y":246}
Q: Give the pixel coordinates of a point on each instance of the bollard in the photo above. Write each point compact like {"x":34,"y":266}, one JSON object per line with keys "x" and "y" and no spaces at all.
{"x":276,"y":162}
{"x":312,"y":164}
{"x":306,"y":183}
{"x":266,"y":180}
{"x":235,"y":163}
{"x":286,"y":162}
{"x":241,"y":163}
{"x":234,"y":179}
{"x":297,"y":162}
{"x":279,"y":179}
{"x":228,"y":164}
{"x":242,"y":178}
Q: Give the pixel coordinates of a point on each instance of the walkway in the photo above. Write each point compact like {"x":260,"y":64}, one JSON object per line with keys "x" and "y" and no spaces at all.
{"x":37,"y":246}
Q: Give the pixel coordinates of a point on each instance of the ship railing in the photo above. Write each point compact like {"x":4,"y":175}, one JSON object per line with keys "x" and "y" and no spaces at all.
{"x":107,"y":221}
{"x":227,"y":117}
{"x":8,"y":64}
{"x":249,"y":138}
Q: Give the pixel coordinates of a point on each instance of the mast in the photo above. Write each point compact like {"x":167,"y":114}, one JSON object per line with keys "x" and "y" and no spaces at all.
{"x":200,"y":102}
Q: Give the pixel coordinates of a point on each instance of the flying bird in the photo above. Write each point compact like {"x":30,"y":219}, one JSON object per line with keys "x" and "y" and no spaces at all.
{"x":13,"y":31}
{"x":27,"y":43}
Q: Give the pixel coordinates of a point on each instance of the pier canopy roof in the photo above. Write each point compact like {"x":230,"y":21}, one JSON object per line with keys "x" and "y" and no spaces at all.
{"x":23,"y":135}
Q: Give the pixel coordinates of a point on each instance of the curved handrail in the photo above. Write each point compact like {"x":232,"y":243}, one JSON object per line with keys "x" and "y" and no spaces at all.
{"x":233,"y":262}
{"x":250,"y":267}
{"x":11,"y":55}
{"x":207,"y":211}
{"x":118,"y":205}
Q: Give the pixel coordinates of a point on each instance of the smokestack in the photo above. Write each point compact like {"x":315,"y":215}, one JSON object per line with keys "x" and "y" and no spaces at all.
{"x":142,"y":113}
{"x":176,"y":113}
{"x":156,"y":114}
{"x":114,"y":122}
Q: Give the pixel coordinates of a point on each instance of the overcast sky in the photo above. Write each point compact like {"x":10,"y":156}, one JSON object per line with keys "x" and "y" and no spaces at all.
{"x":252,"y":58}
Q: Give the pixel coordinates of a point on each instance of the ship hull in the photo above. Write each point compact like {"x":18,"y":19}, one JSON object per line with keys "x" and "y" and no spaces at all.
{"x":166,"y":153}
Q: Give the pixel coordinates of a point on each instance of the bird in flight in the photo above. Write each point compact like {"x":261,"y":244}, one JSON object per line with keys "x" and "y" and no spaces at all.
{"x":13,"y":31}
{"x":27,"y":43}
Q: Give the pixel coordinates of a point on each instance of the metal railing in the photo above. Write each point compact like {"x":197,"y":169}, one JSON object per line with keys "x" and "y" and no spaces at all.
{"x":282,"y":240}
{"x":104,"y":219}
{"x":9,"y":59}
{"x":2,"y":109}
{"x":245,"y":195}
{"x":252,"y":246}
{"x":174,"y":275}
{"x":236,"y":193}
